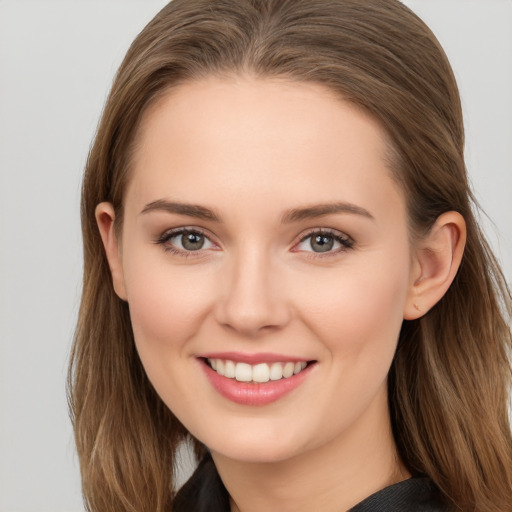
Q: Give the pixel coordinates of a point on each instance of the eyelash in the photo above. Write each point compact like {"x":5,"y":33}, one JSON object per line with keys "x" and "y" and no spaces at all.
{"x":345,"y":241}
{"x":164,"y":238}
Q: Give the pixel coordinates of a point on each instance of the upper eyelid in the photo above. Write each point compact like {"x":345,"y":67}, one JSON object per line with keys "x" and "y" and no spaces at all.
{"x":327,"y":231}
{"x":169,"y":233}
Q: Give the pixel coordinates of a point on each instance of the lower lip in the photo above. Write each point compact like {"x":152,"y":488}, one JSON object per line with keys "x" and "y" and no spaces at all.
{"x":252,"y":393}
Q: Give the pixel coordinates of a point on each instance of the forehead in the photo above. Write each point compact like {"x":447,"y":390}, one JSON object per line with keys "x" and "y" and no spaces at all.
{"x":250,"y":136}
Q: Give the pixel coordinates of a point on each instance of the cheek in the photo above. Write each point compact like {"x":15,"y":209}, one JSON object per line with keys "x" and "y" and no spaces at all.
{"x":161,"y":313}
{"x":360,"y":310}
{"x":357,"y":316}
{"x":167,"y":304}
{"x":167,"y":310}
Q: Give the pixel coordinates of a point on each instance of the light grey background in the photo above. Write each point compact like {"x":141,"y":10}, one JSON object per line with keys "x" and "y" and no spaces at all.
{"x":57,"y":59}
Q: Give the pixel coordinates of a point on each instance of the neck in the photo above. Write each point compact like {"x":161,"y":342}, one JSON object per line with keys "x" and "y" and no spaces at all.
{"x":332,"y":477}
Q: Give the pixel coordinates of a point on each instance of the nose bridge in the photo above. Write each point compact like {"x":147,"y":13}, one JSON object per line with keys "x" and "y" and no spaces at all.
{"x":253,"y":298}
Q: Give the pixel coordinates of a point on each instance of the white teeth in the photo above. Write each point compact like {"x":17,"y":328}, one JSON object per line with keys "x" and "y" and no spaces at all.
{"x":262,"y":372}
{"x":276,"y":371}
{"x":288,"y":370}
{"x":243,"y":372}
{"x":230,"y":369}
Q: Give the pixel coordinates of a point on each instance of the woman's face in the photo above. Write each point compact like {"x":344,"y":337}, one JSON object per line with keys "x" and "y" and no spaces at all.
{"x":263,"y":232}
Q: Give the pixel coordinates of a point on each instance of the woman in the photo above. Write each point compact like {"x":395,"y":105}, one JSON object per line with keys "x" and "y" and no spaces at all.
{"x":283,"y":267}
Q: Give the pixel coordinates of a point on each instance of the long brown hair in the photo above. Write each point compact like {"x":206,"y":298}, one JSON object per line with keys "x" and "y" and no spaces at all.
{"x":450,"y":380}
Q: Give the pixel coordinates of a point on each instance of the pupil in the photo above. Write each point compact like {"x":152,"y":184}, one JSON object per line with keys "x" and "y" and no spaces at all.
{"x":192,"y":241}
{"x":322,"y":243}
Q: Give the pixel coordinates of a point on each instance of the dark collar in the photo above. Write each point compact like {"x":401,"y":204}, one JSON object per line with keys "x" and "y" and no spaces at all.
{"x":412,"y":495}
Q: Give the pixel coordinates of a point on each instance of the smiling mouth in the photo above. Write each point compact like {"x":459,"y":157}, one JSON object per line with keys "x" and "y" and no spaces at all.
{"x":257,"y":373}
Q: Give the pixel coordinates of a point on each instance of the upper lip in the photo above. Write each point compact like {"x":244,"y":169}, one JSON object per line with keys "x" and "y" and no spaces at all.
{"x":252,"y":359}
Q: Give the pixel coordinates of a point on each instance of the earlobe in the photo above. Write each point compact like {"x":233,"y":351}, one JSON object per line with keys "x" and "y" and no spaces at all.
{"x":105,"y":217}
{"x":436,"y":261}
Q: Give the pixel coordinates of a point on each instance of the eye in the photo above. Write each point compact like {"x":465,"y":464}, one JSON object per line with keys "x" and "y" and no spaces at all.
{"x":323,"y":241}
{"x":185,"y":241}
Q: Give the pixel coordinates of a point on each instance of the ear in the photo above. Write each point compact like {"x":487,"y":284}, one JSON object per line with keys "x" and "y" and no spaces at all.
{"x":437,"y":258}
{"x":105,"y":217}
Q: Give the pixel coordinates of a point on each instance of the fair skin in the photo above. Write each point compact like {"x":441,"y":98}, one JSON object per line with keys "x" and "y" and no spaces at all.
{"x":253,"y":279}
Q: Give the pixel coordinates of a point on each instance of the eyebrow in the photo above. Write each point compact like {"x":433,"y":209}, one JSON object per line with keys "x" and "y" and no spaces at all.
{"x":293,"y":215}
{"x":318,"y":210}
{"x":190,"y":210}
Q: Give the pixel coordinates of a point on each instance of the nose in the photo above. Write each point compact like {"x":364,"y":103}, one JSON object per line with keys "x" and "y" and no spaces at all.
{"x":253,"y":298}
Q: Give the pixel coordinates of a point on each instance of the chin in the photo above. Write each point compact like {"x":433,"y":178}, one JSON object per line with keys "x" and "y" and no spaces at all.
{"x":256,"y":454}
{"x":253,"y":448}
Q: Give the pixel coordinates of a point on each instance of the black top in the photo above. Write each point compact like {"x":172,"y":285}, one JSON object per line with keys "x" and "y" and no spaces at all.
{"x":205,"y":492}
{"x":413,"y":495}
